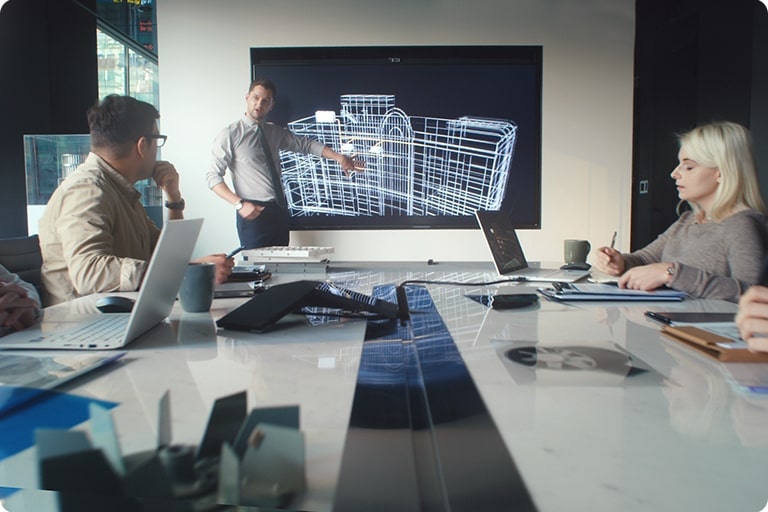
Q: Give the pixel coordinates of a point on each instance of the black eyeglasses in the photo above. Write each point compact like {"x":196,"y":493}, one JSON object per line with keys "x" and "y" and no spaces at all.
{"x":160,"y":138}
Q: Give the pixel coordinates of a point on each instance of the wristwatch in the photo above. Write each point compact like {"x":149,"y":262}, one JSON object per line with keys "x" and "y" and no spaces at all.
{"x":671,"y":271}
{"x":238,"y":205}
{"x":178,"y":205}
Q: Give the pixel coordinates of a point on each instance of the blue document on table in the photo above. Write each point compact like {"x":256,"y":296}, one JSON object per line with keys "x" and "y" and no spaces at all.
{"x":25,"y":377}
{"x":607,"y":292}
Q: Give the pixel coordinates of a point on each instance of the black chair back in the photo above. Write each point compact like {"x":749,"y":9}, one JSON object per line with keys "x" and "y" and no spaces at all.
{"x":22,"y":256}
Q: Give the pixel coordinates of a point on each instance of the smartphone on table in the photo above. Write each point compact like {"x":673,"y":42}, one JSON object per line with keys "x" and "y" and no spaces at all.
{"x":689,"y":317}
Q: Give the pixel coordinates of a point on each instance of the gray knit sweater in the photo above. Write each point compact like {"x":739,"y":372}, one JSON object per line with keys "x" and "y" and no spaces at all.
{"x":715,"y":260}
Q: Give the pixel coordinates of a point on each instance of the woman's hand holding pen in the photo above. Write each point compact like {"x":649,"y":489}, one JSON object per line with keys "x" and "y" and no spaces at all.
{"x":609,"y":261}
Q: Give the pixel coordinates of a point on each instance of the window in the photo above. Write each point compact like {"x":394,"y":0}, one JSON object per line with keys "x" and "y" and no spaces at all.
{"x":124,"y":70}
{"x":127,"y":69}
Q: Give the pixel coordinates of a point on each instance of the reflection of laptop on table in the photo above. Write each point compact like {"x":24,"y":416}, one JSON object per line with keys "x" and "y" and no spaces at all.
{"x":508,"y":254}
{"x":115,"y":330}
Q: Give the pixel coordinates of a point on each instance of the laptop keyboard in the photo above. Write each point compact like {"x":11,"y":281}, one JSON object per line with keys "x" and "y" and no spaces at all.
{"x":107,"y":330}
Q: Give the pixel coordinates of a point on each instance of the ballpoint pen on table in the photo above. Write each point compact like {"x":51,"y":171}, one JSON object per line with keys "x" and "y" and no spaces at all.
{"x":235,"y":251}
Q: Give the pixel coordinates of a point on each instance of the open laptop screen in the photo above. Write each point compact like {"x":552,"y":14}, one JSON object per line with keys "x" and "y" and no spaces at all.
{"x":502,"y":241}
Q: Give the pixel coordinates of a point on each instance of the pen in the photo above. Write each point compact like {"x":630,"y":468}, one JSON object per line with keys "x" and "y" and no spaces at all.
{"x":613,"y":240}
{"x":235,"y":251}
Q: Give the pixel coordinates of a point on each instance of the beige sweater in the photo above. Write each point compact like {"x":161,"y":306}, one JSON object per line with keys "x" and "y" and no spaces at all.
{"x":716,"y":260}
{"x":94,"y":234}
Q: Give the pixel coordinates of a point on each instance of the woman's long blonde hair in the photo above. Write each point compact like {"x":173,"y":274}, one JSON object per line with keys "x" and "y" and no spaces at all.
{"x":726,"y":146}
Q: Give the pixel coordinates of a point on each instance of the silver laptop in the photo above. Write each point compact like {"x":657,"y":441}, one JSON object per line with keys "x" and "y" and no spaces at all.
{"x":507,"y":253}
{"x":115,"y":330}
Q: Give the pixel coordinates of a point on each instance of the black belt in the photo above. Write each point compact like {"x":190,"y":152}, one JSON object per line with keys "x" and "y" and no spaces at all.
{"x":271,"y":202}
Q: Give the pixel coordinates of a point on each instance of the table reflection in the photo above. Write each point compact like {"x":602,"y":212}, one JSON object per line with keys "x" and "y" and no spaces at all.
{"x":706,"y":406}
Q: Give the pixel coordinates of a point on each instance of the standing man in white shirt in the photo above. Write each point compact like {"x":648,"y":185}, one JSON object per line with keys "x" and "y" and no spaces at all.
{"x":250,"y":148}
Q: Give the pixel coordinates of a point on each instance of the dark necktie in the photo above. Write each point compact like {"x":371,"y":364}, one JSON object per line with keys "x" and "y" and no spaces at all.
{"x":277,"y":183}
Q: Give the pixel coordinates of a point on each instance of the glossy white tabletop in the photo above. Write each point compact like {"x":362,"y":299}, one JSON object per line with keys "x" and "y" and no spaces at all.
{"x":298,"y":364}
{"x":653,"y":426}
{"x":677,"y":433}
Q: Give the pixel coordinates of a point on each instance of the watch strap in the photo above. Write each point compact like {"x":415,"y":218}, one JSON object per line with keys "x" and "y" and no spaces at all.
{"x":177,"y":205}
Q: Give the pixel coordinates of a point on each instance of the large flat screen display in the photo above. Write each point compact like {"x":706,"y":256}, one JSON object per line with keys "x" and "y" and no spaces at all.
{"x":443,"y":131}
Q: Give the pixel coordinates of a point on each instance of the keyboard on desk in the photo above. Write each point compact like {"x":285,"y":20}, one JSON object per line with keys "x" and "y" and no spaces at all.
{"x":300,"y":252}
{"x":108,"y":328}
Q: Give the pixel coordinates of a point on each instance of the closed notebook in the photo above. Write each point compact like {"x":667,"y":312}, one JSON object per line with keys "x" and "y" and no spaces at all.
{"x":595,"y":291}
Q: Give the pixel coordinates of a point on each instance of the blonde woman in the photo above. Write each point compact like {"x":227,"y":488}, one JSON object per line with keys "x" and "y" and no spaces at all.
{"x":716,"y":249}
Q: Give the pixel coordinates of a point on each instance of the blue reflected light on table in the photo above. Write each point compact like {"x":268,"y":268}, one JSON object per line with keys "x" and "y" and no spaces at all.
{"x":50,"y":409}
{"x":418,"y":415}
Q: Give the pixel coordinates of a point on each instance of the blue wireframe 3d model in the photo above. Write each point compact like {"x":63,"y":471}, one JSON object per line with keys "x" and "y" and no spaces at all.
{"x":416,"y":166}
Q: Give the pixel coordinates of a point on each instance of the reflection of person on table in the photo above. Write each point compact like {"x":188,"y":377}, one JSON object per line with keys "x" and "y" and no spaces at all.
{"x":250,"y":149}
{"x":715,"y":250}
{"x":95,"y":235}
{"x":19,"y":303}
{"x":698,"y":398}
{"x":752,"y":318}
{"x":749,"y":415}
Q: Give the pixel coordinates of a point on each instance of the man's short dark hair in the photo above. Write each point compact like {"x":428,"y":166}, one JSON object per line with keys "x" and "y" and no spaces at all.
{"x":118,"y":121}
{"x":265,"y":83}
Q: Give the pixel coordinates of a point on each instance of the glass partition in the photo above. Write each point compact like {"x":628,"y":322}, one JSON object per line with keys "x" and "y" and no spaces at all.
{"x":49,"y":159}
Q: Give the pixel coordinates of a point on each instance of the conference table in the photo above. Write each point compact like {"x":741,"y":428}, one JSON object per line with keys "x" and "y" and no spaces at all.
{"x":554,"y":406}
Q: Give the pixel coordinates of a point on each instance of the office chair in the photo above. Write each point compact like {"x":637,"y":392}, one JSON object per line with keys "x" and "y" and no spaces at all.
{"x":22,"y":256}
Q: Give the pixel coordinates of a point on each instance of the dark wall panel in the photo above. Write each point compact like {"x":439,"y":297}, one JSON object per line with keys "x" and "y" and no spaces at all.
{"x":759,"y":111}
{"x":48,"y":58}
{"x":696,"y":61}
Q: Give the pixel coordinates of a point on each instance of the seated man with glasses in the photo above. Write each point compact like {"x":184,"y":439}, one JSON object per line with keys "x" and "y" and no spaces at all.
{"x":160,"y":139}
{"x":94,"y":234}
